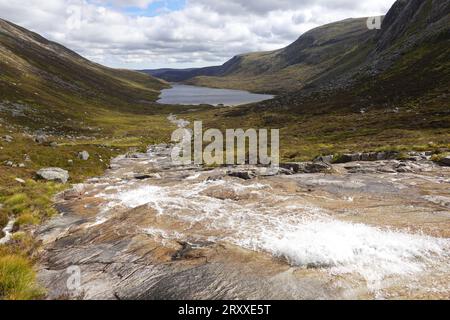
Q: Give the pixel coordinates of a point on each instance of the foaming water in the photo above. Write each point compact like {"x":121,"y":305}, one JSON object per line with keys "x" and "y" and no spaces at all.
{"x":253,"y":217}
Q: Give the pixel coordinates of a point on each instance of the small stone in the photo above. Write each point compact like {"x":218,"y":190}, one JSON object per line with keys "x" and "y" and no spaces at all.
{"x":9,"y":163}
{"x":21,"y":165}
{"x":53,"y":144}
{"x":40,"y":139}
{"x":7,"y":139}
{"x":53,"y":174}
{"x":20,"y":180}
{"x":84,"y":155}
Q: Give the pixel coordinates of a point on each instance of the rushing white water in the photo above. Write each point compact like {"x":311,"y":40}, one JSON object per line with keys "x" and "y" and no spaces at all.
{"x":7,"y":231}
{"x":254,"y":217}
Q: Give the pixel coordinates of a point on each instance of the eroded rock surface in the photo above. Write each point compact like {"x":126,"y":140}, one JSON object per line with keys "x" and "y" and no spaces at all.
{"x":362,"y":231}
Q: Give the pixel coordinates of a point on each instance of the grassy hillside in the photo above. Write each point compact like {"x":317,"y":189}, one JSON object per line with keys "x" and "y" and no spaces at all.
{"x":59,"y":88}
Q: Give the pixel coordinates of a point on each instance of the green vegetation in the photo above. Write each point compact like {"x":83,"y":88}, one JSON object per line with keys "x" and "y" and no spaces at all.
{"x":17,"y":279}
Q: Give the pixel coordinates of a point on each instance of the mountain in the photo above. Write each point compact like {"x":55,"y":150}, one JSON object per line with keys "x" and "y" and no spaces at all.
{"x":287,"y":69}
{"x":46,"y":78}
{"x":334,"y":53}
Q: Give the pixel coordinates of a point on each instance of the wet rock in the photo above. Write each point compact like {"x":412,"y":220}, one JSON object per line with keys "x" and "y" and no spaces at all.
{"x":292,"y":166}
{"x":245,"y":175}
{"x":215,"y":178}
{"x":445,"y":161}
{"x":317,"y":167}
{"x":143,"y":176}
{"x":83,"y":155}
{"x":53,"y":174}
{"x":75,"y":193}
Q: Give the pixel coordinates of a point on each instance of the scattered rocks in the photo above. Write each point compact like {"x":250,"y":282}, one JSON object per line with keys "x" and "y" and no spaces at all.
{"x":53,"y":174}
{"x":83,"y":155}
{"x":142,"y":176}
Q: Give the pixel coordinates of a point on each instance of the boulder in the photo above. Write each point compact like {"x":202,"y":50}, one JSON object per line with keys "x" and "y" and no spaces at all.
{"x":445,"y":161}
{"x":295,"y":167}
{"x":53,"y":174}
{"x":40,"y":139}
{"x":369,"y":156}
{"x":75,"y":193}
{"x":83,"y":155}
{"x":245,"y":175}
{"x":317,"y":167}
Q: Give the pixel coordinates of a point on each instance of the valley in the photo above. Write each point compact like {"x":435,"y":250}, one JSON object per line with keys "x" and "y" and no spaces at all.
{"x":359,"y":211}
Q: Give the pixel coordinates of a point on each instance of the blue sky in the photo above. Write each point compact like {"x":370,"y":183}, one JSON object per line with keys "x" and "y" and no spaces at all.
{"x":153,"y":9}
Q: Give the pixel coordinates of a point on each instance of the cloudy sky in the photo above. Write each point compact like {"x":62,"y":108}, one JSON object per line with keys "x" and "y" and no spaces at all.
{"x":139,"y":34}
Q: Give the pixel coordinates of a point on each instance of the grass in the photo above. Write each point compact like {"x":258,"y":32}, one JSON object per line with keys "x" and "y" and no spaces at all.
{"x":17,"y":279}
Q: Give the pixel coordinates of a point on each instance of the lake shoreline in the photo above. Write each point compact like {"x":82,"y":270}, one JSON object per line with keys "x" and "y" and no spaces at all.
{"x":182,"y":94}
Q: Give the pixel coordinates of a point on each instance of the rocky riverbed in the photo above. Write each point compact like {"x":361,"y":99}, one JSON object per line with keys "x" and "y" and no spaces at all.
{"x":151,"y":230}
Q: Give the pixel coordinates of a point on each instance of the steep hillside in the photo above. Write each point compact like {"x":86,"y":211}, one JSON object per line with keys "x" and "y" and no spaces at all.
{"x":43,"y":78}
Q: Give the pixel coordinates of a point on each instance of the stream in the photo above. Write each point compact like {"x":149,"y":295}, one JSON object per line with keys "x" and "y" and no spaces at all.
{"x":151,"y":230}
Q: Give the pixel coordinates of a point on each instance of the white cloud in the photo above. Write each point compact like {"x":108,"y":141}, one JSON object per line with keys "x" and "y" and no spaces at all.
{"x":204,"y":32}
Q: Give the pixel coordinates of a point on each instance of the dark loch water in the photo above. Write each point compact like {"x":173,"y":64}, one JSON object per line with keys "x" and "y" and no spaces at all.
{"x":192,"y":95}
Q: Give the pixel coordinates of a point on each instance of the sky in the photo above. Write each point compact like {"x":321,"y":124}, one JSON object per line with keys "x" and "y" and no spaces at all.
{"x":149,"y":34}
